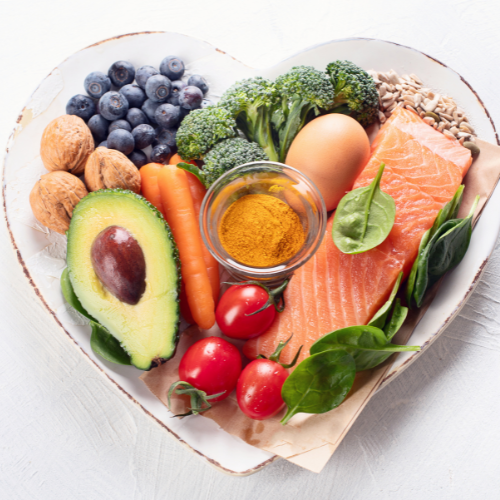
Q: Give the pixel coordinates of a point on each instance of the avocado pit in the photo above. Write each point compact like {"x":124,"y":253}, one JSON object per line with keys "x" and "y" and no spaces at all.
{"x":118,"y":261}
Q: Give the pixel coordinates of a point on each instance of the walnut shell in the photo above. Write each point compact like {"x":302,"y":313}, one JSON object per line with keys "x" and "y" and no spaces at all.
{"x":54,"y":197}
{"x":66,"y":144}
{"x":110,"y":169}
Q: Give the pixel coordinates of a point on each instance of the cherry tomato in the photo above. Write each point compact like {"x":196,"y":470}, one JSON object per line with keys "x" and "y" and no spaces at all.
{"x":212,"y":365}
{"x":259,"y":389}
{"x":234,"y":311}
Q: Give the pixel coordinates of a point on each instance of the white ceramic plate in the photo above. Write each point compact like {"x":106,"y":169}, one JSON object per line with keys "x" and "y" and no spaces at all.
{"x":42,"y":252}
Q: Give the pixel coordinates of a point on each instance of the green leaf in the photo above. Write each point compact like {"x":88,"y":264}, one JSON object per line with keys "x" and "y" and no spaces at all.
{"x":445,"y":250}
{"x":101,"y":341}
{"x":319,"y":383}
{"x":410,"y":283}
{"x":398,"y":317}
{"x":364,"y":218}
{"x":107,"y":346}
{"x":380,"y":318}
{"x":368,"y":345}
{"x":70,"y":295}
{"x":448,"y":212}
{"x":192,"y":169}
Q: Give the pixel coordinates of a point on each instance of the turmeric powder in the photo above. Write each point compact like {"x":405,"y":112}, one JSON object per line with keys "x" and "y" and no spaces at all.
{"x":260,"y":230}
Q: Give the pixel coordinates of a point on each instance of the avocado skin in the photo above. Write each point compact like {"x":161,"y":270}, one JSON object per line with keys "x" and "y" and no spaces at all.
{"x":174,"y":255}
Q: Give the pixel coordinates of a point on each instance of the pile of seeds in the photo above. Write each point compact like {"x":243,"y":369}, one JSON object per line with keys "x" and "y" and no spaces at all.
{"x":440,"y":112}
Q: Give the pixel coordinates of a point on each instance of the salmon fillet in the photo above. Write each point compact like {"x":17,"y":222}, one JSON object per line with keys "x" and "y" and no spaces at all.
{"x":334,"y":290}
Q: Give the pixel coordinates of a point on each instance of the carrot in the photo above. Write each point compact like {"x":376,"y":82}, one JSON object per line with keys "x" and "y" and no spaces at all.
{"x":198,"y":192}
{"x":180,"y":215}
{"x":177,"y":159}
{"x":149,"y":185}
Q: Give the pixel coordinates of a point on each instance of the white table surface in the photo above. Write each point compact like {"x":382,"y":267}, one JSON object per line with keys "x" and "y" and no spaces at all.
{"x":67,"y":433}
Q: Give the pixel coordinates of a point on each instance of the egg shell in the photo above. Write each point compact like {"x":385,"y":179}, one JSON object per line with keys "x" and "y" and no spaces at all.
{"x":331,"y":150}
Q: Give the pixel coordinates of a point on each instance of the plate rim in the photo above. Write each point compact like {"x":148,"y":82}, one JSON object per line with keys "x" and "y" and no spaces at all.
{"x":387,"y":379}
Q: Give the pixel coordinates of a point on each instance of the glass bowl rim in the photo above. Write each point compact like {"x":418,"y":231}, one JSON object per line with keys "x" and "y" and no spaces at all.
{"x":260,"y":272}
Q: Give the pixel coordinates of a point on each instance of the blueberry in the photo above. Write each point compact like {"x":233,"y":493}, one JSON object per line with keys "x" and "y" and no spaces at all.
{"x":149,"y":108}
{"x":134,"y":94}
{"x":177,"y":86}
{"x":158,"y":88}
{"x":104,"y":144}
{"x":136,"y":117}
{"x":144,"y":135}
{"x":190,"y":97}
{"x":82,"y":106}
{"x":120,"y":124}
{"x":165,"y":136}
{"x":206,"y":103}
{"x":98,"y":125}
{"x":138,"y":158}
{"x":121,"y":73}
{"x":172,"y":67}
{"x":198,"y":81}
{"x":121,"y":140}
{"x":97,"y":84}
{"x":143,"y":73}
{"x":113,"y":105}
{"x":160,"y":154}
{"x":167,"y":115}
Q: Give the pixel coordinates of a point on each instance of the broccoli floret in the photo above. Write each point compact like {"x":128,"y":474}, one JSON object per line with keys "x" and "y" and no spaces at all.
{"x":228,"y":154}
{"x":250,"y":101}
{"x":202,"y":129}
{"x":304,"y":93}
{"x":355,"y":91}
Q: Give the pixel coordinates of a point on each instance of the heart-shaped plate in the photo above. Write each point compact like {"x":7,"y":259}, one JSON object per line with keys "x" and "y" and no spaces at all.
{"x":42,"y":252}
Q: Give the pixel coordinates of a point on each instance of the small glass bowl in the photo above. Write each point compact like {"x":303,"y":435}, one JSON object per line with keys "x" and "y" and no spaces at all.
{"x":274,"y":179}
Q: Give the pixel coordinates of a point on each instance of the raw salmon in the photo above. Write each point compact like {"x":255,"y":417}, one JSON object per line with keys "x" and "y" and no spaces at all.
{"x":334,"y":290}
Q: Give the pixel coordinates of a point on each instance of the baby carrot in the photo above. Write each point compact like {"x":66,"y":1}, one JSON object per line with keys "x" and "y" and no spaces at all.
{"x":198,"y":192}
{"x":179,"y":212}
{"x":149,"y":185}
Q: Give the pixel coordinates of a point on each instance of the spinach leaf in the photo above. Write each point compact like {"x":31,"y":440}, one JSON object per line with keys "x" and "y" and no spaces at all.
{"x":398,"y":317}
{"x":445,"y":251}
{"x":410,"y":283}
{"x":368,"y":345}
{"x":70,"y":295}
{"x":364,"y":218}
{"x":448,"y":212}
{"x":380,"y":318}
{"x":319,"y":383}
{"x":102,"y":342}
{"x":107,"y":346}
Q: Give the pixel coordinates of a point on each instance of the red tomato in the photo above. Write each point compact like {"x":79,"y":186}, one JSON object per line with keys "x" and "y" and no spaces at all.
{"x":237,"y":302}
{"x":212,"y":365}
{"x":259,"y":389}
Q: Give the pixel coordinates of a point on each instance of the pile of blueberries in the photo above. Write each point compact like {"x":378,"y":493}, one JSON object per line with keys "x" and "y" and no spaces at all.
{"x":130,"y":117}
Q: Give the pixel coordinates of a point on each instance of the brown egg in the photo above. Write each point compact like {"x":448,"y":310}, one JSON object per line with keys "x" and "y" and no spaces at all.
{"x":331,"y":150}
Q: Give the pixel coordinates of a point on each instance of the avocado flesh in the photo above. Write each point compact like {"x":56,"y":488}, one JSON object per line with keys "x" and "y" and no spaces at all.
{"x":148,"y":330}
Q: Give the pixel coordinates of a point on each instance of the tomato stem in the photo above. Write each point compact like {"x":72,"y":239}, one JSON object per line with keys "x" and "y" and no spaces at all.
{"x":199,"y":398}
{"x":275,"y":356}
{"x":275,"y":297}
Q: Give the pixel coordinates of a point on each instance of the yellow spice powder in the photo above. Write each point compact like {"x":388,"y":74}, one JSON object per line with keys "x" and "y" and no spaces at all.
{"x":261,"y":231}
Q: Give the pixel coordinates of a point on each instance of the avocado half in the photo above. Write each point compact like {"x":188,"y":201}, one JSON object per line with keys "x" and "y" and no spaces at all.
{"x":148,"y":330}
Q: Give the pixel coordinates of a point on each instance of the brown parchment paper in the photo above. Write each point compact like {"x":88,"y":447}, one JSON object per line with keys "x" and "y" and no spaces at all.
{"x":310,"y":440}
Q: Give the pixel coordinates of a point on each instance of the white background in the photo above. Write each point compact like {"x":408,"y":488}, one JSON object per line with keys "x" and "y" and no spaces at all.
{"x":67,"y":433}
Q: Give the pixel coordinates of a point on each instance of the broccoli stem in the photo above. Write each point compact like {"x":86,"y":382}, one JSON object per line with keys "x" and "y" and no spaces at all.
{"x":264,"y":137}
{"x":294,"y":122}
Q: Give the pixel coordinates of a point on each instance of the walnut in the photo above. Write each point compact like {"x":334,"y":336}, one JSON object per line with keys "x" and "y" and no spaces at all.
{"x":66,"y":144}
{"x":54,"y":197}
{"x":110,"y":169}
